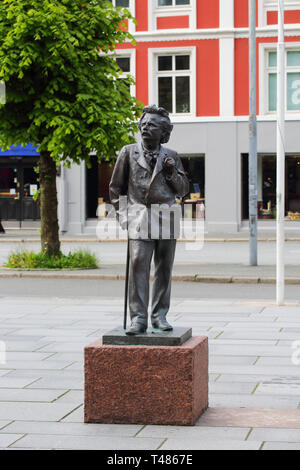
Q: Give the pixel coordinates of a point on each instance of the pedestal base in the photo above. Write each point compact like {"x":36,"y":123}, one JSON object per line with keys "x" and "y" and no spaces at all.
{"x":152,"y":337}
{"x":146,"y":384}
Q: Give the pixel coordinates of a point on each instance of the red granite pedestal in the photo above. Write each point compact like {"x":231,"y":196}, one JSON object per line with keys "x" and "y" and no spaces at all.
{"x":146,"y":384}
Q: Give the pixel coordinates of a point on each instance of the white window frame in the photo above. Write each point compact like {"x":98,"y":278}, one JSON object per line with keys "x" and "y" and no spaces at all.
{"x":264,"y":71}
{"x":171,"y":6}
{"x":155,"y":11}
{"x":272,"y":5}
{"x":132,"y":66}
{"x":131,"y":8}
{"x":154,"y":74}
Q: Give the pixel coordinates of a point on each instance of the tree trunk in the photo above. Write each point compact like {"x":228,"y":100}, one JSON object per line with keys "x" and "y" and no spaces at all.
{"x":48,"y":204}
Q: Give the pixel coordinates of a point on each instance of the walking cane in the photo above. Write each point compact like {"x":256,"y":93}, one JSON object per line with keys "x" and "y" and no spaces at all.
{"x":126,"y":286}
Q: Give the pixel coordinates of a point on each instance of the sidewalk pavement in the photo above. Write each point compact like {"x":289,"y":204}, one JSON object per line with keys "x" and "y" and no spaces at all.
{"x":254,"y":388}
{"x":218,"y":246}
{"x":264,"y":234}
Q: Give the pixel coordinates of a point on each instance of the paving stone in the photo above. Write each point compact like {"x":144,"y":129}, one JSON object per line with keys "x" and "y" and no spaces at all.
{"x":231,"y":387}
{"x":61,"y":382}
{"x":198,"y":307}
{"x":35,"y":365}
{"x":25,"y":356}
{"x":22,"y":338}
{"x":7,"y":439}
{"x":78,"y":365}
{"x":285,"y":343}
{"x":272,"y":378}
{"x":76,"y":338}
{"x":234,"y":360}
{"x":253,"y":401}
{"x":253,"y":325}
{"x":278,"y":389}
{"x":51,"y":332}
{"x":282,"y":310}
{"x":199,"y":444}
{"x":77,"y":416}
{"x":87,"y":442}
{"x":244,"y":342}
{"x":6,"y":331}
{"x":17,"y":346}
{"x":3,"y":423}
{"x":253,"y":370}
{"x":72,"y":396}
{"x":29,"y":395}
{"x":249,"y":350}
{"x":47,"y":323}
{"x":278,"y":435}
{"x":3,"y":373}
{"x":258,"y":334}
{"x":34,"y":411}
{"x":74,"y":429}
{"x":275,"y":360}
{"x":16,"y":382}
{"x":285,"y":379}
{"x":56,"y":346}
{"x":67,"y":357}
{"x":281,"y":446}
{"x":250,"y":417}
{"x":194,"y":432}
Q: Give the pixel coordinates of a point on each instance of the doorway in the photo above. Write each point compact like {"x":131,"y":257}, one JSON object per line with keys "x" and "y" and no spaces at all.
{"x":18,"y":184}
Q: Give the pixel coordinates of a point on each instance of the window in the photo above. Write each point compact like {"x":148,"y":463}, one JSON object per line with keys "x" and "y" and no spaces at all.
{"x":159,"y":10}
{"x":123,"y":63}
{"x":120,"y":3}
{"x":267,"y":11}
{"x":126,"y":62}
{"x":292,"y":80}
{"x":266,"y":187}
{"x":167,"y":3}
{"x":173,"y":83}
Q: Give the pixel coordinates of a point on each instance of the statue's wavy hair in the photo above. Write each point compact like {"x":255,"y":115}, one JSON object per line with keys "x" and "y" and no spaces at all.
{"x":165,"y":120}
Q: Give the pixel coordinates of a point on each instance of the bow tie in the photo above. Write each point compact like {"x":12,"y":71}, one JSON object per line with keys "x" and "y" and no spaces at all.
{"x":151,"y":157}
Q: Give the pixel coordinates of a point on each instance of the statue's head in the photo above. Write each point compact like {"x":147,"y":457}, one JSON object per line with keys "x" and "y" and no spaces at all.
{"x":164,"y":120}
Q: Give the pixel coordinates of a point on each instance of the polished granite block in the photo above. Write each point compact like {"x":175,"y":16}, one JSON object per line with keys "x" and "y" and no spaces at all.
{"x":141,"y":384}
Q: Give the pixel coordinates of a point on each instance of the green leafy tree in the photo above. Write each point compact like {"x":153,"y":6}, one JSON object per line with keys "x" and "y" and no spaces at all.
{"x":62,"y":88}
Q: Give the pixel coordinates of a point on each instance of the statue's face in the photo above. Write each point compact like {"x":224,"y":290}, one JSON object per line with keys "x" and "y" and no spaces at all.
{"x":151,"y":128}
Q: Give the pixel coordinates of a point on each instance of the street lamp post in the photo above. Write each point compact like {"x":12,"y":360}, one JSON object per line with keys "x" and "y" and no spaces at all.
{"x":252,"y":136}
{"x":280,"y":163}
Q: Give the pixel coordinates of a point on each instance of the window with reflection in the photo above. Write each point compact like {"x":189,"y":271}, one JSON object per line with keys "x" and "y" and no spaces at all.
{"x":173,"y":83}
{"x":292,"y":80}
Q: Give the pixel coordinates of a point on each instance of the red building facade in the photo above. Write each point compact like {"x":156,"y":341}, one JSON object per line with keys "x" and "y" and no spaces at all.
{"x":191,"y":56}
{"x":214,"y":34}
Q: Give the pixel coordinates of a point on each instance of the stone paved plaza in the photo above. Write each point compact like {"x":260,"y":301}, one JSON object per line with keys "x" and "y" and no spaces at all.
{"x":254,"y":388}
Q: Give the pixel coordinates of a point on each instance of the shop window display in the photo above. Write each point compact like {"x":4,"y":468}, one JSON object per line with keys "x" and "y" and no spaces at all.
{"x":266,"y":189}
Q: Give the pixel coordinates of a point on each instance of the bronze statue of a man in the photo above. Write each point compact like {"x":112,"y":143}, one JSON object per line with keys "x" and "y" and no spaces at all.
{"x":149,"y":177}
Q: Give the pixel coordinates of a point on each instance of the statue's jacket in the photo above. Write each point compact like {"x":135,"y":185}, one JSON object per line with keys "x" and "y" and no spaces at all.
{"x":145,"y":200}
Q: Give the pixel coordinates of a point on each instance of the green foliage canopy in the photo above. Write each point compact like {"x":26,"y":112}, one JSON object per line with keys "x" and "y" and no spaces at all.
{"x":62,"y":86}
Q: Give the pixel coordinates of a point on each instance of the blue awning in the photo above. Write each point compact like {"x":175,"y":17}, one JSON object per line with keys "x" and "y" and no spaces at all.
{"x":20,"y":151}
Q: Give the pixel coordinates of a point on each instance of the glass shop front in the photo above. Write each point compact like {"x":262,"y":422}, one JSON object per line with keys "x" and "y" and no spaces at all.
{"x":18,"y":184}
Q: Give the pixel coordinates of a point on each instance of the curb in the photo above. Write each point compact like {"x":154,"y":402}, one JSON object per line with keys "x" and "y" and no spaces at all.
{"x":176,"y":277}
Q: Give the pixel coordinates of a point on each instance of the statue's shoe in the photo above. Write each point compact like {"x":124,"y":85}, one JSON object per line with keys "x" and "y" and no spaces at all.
{"x":136,"y":329}
{"x":162,"y":325}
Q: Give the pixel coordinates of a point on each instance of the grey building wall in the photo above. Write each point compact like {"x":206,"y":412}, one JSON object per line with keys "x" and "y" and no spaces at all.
{"x":222,"y":143}
{"x":72,"y":204}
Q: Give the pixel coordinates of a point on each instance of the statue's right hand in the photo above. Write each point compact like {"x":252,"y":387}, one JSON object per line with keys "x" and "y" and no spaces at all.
{"x":124,"y":225}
